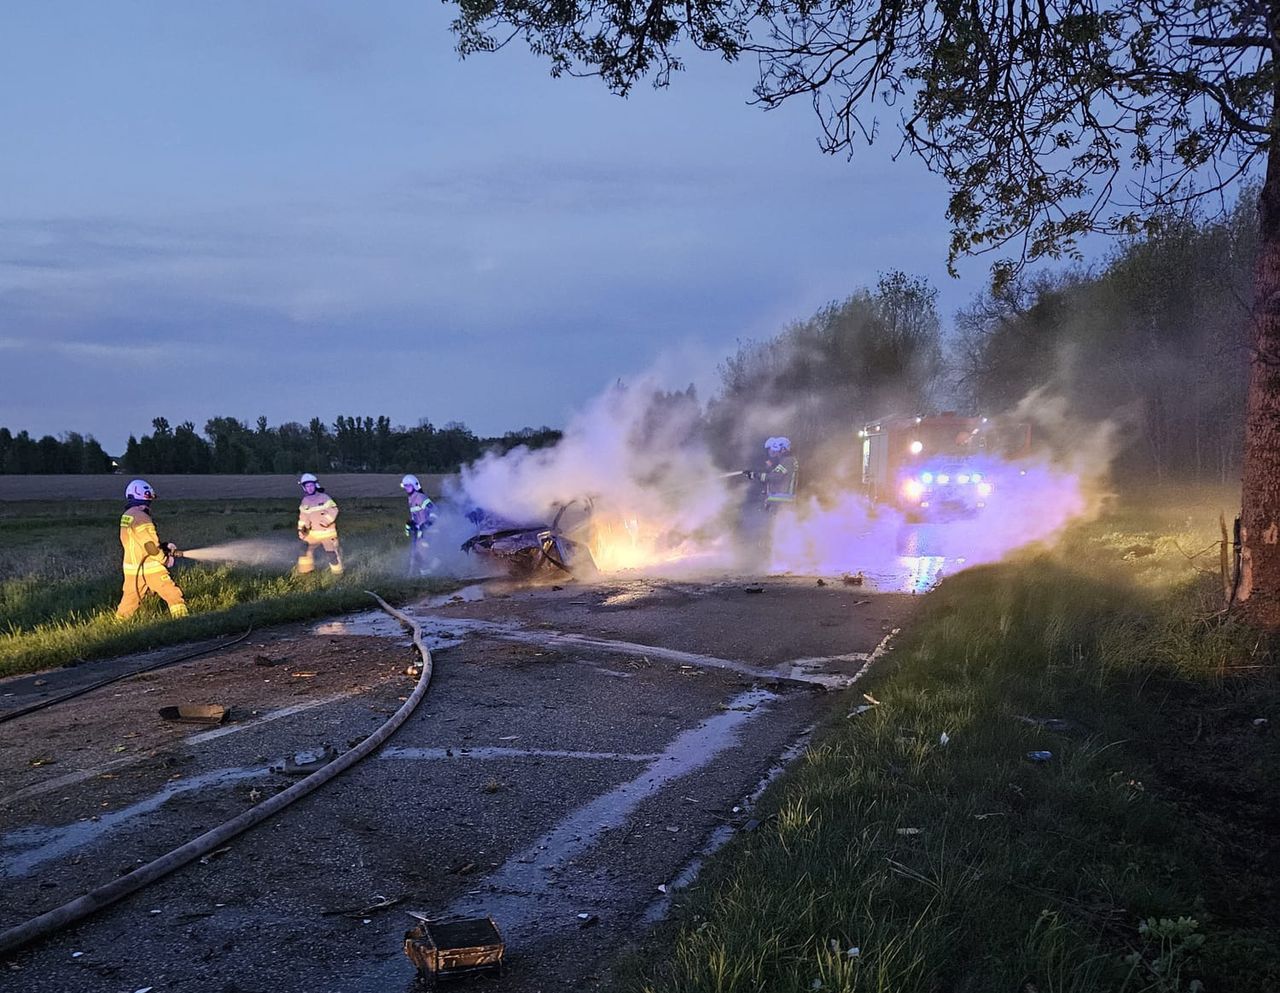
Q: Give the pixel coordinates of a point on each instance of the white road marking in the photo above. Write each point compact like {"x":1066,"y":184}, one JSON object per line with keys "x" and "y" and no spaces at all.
{"x":484,"y":752}
{"x":70,"y":779}
{"x":272,"y":715}
{"x":798,"y":671}
{"x":521,"y":895}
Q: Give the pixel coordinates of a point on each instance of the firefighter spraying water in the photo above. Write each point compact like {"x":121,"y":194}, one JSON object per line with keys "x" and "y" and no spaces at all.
{"x":147,"y":560}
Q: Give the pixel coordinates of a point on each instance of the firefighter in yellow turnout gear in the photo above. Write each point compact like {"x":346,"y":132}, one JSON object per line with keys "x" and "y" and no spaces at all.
{"x":317,"y":527}
{"x":146,"y":558}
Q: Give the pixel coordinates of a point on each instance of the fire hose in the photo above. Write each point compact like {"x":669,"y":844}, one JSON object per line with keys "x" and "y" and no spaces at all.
{"x":117,"y":889}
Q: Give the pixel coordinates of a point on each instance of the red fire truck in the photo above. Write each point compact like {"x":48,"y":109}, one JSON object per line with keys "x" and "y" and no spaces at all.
{"x":939,"y":466}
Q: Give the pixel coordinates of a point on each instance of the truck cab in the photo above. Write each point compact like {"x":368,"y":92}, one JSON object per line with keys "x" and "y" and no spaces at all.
{"x":937,"y":467}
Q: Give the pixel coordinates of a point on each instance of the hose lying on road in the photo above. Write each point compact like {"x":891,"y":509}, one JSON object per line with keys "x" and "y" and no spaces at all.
{"x":31,"y":708}
{"x":109,"y":893}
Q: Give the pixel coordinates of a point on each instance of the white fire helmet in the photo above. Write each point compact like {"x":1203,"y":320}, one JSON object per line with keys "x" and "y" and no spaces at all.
{"x":775,"y":445}
{"x":410,"y":483}
{"x":139,"y":489}
{"x":307,"y":477}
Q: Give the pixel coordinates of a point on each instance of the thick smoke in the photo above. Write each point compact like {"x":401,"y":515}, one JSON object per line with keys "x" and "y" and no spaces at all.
{"x":634,"y":469}
{"x":647,"y":495}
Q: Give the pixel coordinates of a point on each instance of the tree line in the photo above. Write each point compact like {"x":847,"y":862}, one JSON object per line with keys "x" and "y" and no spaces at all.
{"x":1154,"y":339}
{"x":72,"y":453}
{"x":227,"y":445}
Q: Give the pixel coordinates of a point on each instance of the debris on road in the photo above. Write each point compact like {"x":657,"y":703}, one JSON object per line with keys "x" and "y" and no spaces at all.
{"x":455,"y":947}
{"x":856,"y":579}
{"x":195,"y":713}
{"x":380,"y":902}
{"x":305,"y":763}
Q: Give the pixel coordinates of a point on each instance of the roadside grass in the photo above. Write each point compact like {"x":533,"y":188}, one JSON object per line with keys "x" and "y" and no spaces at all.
{"x":60,"y":575}
{"x":1142,"y":856}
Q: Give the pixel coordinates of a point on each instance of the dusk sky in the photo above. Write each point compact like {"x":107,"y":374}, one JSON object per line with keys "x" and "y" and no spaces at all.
{"x":310,"y":209}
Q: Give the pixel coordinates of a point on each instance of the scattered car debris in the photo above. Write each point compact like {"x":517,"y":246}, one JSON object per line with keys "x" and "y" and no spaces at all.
{"x":1039,"y":756}
{"x":380,"y":902}
{"x":588,"y":920}
{"x":909,"y":831}
{"x":855,"y":579}
{"x":195,"y":713}
{"x":442,"y":948}
{"x":1260,"y":722}
{"x":305,"y":763}
{"x":753,"y":589}
{"x":943,"y":739}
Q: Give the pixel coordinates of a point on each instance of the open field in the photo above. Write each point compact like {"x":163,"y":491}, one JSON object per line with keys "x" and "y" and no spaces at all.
{"x":60,"y":570}
{"x":207,"y":487}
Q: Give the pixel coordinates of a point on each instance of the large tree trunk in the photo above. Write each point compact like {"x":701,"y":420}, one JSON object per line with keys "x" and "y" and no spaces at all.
{"x":1260,"y":514}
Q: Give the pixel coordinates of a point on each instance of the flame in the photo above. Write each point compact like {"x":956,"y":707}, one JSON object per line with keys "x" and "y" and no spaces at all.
{"x":622,"y":542}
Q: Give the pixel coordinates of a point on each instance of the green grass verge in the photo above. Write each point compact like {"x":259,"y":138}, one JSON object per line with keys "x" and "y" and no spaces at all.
{"x":1142,"y":857}
{"x":60,"y":576}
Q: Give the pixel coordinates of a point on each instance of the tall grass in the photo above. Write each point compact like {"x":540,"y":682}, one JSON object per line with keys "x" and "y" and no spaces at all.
{"x":1118,"y":864}
{"x":60,"y":576}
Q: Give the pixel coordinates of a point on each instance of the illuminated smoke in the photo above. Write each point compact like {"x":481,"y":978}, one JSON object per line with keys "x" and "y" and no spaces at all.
{"x":662,"y":506}
{"x":635,"y":457}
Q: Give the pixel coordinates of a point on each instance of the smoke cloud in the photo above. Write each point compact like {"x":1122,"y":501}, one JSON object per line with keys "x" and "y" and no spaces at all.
{"x":647,"y":494}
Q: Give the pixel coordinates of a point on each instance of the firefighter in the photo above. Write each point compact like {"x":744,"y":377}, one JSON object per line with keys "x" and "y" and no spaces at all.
{"x":147,"y":560}
{"x":779,"y":476}
{"x":317,"y":517}
{"x":422,"y":514}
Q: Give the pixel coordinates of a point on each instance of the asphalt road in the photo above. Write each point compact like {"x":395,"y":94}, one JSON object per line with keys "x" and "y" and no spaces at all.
{"x":578,"y":749}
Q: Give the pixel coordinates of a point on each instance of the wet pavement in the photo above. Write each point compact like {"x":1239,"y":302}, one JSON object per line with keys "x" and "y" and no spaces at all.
{"x":578,"y":753}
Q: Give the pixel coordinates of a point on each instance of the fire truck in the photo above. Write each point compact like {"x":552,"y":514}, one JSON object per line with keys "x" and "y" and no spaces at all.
{"x":941,"y":466}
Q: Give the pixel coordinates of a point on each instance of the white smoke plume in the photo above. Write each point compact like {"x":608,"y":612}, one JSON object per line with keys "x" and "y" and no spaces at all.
{"x":661,"y":505}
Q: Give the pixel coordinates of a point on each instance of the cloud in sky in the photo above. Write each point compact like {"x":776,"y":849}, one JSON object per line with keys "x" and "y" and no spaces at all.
{"x":308,"y":209}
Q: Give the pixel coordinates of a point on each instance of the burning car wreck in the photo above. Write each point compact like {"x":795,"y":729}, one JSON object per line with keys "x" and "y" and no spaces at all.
{"x":528,"y":551}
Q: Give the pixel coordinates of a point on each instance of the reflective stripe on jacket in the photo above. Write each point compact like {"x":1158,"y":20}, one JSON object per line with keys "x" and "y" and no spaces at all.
{"x":136,"y":531}
{"x":422,"y":512}
{"x":318,"y":512}
{"x":780,"y":479}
